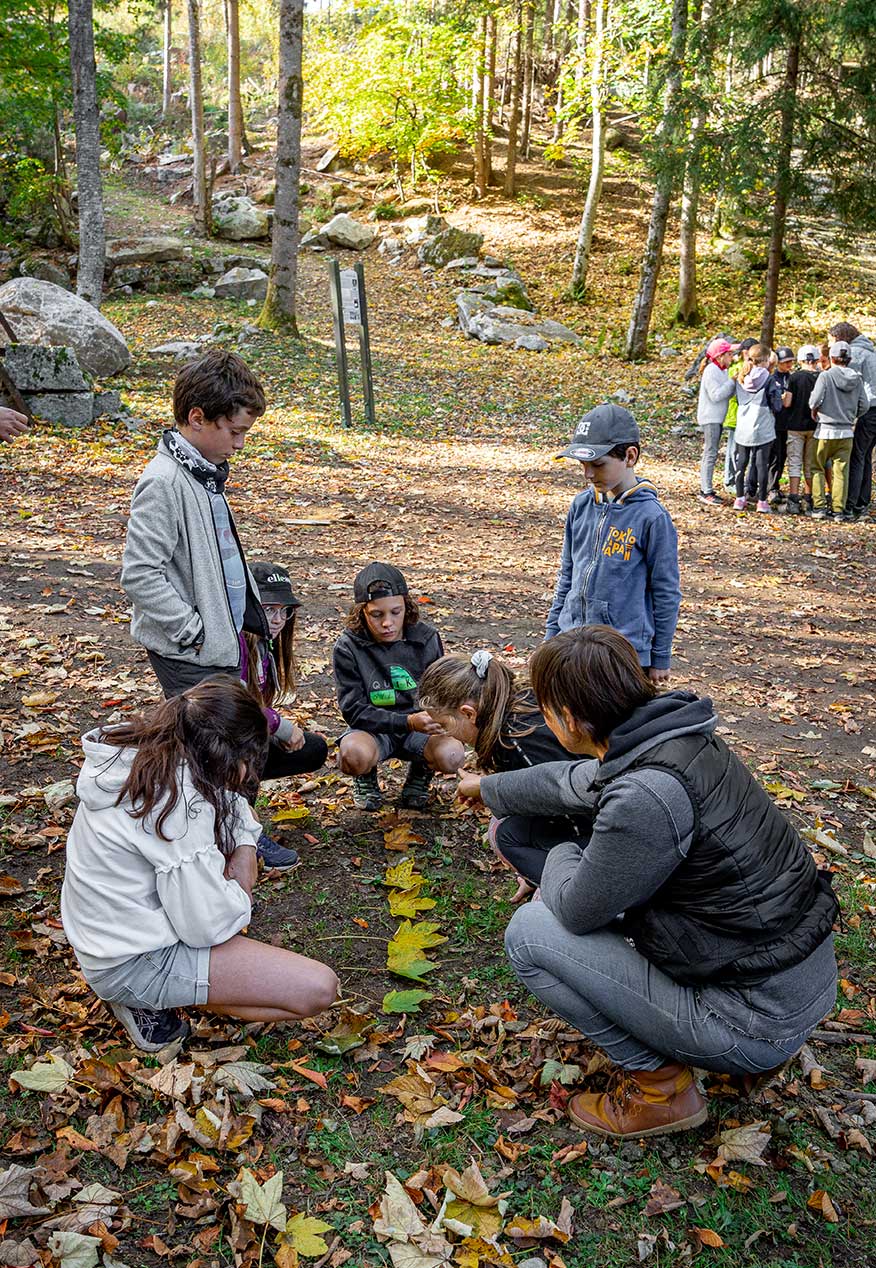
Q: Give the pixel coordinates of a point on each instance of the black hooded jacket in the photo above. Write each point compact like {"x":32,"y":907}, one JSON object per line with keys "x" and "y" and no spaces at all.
{"x":377,"y":682}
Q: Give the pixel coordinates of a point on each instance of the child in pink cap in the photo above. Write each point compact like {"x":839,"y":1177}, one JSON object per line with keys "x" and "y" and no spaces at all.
{"x":716,"y":389}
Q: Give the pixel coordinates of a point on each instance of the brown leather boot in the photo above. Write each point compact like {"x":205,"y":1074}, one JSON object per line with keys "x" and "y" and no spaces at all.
{"x":646,"y":1103}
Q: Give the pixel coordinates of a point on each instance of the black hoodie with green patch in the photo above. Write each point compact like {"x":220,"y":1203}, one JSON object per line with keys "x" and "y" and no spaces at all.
{"x":377,"y":682}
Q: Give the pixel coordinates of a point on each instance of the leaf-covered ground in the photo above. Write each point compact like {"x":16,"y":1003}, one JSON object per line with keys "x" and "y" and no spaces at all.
{"x":462,"y":1099}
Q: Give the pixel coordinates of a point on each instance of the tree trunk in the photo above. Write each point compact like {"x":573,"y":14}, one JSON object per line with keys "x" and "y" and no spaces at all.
{"x":687,"y":310}
{"x":166,"y":86}
{"x":506,"y":79}
{"x":783,"y":190}
{"x":528,"y":79}
{"x":665,"y":143}
{"x":547,"y":33}
{"x":92,"y":232}
{"x":514,"y":121}
{"x":478,"y":103}
{"x":279,"y":311}
{"x":489,"y":95}
{"x":200,"y":205}
{"x":235,"y":106}
{"x":597,"y":155}
{"x":581,"y":28}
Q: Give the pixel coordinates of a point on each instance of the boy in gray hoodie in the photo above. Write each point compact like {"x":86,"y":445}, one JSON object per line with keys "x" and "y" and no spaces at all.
{"x":837,"y":400}
{"x":860,"y":486}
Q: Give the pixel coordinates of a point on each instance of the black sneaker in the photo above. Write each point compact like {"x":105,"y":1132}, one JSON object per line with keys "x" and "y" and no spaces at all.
{"x":822,"y":513}
{"x":415,"y":794}
{"x":367,"y":794}
{"x":274,"y":855}
{"x":151,"y":1029}
{"x":794,"y":507}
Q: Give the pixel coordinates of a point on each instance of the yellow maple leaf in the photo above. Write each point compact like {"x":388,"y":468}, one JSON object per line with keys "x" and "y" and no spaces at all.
{"x":303,"y":1233}
{"x":409,"y":902}
{"x":404,"y":875}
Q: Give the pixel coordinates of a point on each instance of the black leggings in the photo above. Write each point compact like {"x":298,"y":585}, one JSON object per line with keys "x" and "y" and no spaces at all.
{"x":760,"y":461}
{"x":525,"y":841}
{"x":281,"y":763}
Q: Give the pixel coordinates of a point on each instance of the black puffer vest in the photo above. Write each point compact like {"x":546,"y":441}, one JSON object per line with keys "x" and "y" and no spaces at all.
{"x":748,"y":901}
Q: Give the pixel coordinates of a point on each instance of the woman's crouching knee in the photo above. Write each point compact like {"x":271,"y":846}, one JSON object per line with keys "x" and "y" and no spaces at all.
{"x":526,"y":923}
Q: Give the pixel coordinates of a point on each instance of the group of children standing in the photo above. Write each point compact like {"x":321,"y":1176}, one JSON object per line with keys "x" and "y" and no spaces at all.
{"x":167,"y":802}
{"x":814,"y":412}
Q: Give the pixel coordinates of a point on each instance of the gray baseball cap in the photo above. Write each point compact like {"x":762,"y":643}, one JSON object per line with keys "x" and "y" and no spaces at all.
{"x":599,"y":430}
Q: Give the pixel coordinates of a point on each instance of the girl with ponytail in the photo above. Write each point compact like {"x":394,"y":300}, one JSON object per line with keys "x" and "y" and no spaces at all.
{"x":160,"y":866}
{"x":478,"y":699}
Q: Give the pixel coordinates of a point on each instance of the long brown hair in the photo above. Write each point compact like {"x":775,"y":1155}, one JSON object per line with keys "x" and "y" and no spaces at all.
{"x":356,"y":622}
{"x":594,"y":672}
{"x":211,"y":728}
{"x":452,"y":681}
{"x":282,"y":679}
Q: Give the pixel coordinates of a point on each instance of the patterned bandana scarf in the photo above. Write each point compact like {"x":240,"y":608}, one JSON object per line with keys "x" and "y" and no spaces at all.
{"x":212,"y":477}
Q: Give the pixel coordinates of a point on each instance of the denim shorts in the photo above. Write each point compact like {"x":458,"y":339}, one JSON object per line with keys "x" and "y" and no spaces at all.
{"x":407,"y":748}
{"x":177,"y":976}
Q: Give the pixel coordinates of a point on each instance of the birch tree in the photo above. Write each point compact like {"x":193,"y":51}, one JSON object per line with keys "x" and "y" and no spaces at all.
{"x":235,"y":105}
{"x":279,"y":311}
{"x":515,"y":70}
{"x":597,"y":151}
{"x":92,"y":231}
{"x":166,"y":81}
{"x":665,"y":145}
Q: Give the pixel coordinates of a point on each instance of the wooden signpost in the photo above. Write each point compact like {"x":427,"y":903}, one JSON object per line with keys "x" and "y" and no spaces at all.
{"x":349,"y":307}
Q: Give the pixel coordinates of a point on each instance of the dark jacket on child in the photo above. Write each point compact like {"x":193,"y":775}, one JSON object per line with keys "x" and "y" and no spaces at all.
{"x":527,"y":740}
{"x":377,"y":682}
{"x":800,"y":386}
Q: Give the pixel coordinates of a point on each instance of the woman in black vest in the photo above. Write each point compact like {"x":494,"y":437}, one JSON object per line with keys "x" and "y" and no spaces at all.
{"x":693,"y":928}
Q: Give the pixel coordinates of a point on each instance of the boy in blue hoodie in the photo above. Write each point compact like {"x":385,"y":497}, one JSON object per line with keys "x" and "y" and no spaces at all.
{"x":619,"y":565}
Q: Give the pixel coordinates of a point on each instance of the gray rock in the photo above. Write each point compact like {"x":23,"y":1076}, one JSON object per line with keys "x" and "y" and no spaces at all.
{"x":464,"y":262}
{"x":341,"y":231}
{"x":136,"y":424}
{"x":34,"y":368}
{"x":419,"y":228}
{"x":242,"y":283}
{"x":490,"y":262}
{"x":532,"y":343}
{"x":73,"y":409}
{"x":556,"y":332}
{"x":238,"y":218}
{"x":179,"y":349}
{"x":348,"y":202}
{"x":107,"y":404}
{"x":535,"y":1262}
{"x":329,"y":160}
{"x":41,"y":312}
{"x":150,"y":250}
{"x":618,"y":139}
{"x":204,"y":292}
{"x":390,"y":246}
{"x":508,"y":289}
{"x":750,"y":254}
{"x":45,"y":271}
{"x":621,"y":395}
{"x":470,"y":304}
{"x":450,"y":244}
{"x":669,"y":352}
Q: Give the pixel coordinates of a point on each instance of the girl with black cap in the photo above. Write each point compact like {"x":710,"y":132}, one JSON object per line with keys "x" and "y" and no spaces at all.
{"x":378,"y":662}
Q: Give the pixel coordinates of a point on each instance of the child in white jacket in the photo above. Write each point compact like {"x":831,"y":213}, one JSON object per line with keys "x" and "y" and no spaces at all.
{"x":161,"y":861}
{"x":716,"y":389}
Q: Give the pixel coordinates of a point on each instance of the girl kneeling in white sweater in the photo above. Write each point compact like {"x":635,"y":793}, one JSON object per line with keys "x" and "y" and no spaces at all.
{"x":161,"y":862}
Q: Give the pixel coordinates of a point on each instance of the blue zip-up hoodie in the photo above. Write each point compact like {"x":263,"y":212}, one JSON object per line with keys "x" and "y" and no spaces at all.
{"x":620,"y":568}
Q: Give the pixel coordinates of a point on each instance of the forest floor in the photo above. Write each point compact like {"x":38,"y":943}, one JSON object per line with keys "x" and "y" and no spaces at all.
{"x":458,"y":486}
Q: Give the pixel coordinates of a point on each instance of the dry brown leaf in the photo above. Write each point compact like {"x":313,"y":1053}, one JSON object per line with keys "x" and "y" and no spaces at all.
{"x":821,"y":1203}
{"x":663,"y":1198}
{"x":745,"y":1144}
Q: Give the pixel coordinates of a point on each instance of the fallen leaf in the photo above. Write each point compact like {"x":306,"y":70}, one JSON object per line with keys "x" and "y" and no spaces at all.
{"x":74,"y":1250}
{"x":263,"y":1203}
{"x":404,"y":1001}
{"x":401,"y":837}
{"x":45,"y":1076}
{"x":245,"y":1077}
{"x":745,"y":1144}
{"x":409,"y":902}
{"x":348,"y":1034}
{"x":10,"y":887}
{"x":291,"y":813}
{"x":708,"y":1237}
{"x":663,"y":1198}
{"x":821,"y":1203}
{"x":303,"y":1232}
{"x":15,"y":1185}
{"x":315,"y":1076}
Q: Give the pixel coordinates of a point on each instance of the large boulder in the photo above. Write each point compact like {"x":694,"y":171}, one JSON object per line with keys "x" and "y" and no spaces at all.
{"x":46,"y":271}
{"x":341,"y":231}
{"x":242,"y":283}
{"x":492,"y":323}
{"x":157,"y":249}
{"x":34,"y":368}
{"x":450,"y":244}
{"x":40,"y":312}
{"x":238,"y":218}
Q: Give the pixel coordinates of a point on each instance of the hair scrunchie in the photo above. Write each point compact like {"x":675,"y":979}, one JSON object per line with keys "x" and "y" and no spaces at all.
{"x":481,"y":662}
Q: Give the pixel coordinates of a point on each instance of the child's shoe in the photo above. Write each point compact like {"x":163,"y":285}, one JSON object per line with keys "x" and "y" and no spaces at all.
{"x":276,"y":856}
{"x":821,"y":513}
{"x":765,"y":508}
{"x":795,"y":506}
{"x":151,"y":1029}
{"x":710,"y":499}
{"x":367,"y":794}
{"x":740,"y":504}
{"x":415,"y":794}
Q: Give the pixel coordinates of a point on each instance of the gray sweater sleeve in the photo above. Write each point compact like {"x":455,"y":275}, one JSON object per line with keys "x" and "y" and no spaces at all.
{"x":641,"y":834}
{"x":550,"y":788}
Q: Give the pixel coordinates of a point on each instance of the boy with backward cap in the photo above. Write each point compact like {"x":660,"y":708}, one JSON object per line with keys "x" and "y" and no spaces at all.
{"x":619,"y":565}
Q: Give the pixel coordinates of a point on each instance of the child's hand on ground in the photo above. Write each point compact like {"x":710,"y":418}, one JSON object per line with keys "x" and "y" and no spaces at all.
{"x":424,"y":723}
{"x":469,"y":785}
{"x":243,"y":867}
{"x":658,"y":675}
{"x":295,"y":741}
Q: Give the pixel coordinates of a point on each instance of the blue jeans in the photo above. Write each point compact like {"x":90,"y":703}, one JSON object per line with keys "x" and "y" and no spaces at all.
{"x":638,"y":1015}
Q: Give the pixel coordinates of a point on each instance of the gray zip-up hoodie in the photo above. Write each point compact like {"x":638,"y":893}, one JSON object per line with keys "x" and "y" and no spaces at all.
{"x":864,"y":361}
{"x":839,"y":399}
{"x":172,"y":571}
